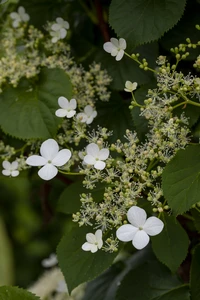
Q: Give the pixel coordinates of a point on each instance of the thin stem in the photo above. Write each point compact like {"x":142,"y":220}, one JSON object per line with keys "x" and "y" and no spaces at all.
{"x":197,"y":209}
{"x":69,"y":173}
{"x":188,"y":217}
{"x":135,"y":102}
{"x":177,"y":105}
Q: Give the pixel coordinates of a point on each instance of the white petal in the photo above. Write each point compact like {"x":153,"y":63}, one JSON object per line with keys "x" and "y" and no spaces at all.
{"x":134,"y":85}
{"x":50,"y":261}
{"x":89,"y":120}
{"x":126,"y":233}
{"x":55,"y":27}
{"x":6,"y":172}
{"x":114,"y":52}
{"x":70,"y":113}
{"x":99,"y":165}
{"x":88,"y":110}
{"x":21,"y":10}
{"x":49,"y":149}
{"x":122,"y":44}
{"x":66,"y":24}
{"x":14,"y":165}
{"x":63,"y":33}
{"x":94,"y":248}
{"x":81,"y":117}
{"x":16,"y":23}
{"x":128,"y":85}
{"x":25,"y":17}
{"x":115,"y":42}
{"x":54,"y":39}
{"x":86,"y":246}
{"x":89,"y":159}
{"x":63,"y":102}
{"x":119,"y":55}
{"x":98,"y":235}
{"x":59,"y":20}
{"x":136,"y":216}
{"x":92,"y":149}
{"x":91,"y":238}
{"x":62,"y":157}
{"x":48,"y":172}
{"x":6,"y":165}
{"x":103,"y":154}
{"x":14,"y":173}
{"x":36,"y":160}
{"x":140,"y":240}
{"x":61,"y":113}
{"x":14,"y":15}
{"x":72,"y":104}
{"x":108,"y":47}
{"x":153,"y":226}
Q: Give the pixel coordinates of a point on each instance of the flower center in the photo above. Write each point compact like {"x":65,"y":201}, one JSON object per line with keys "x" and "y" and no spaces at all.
{"x":140,"y":228}
{"x":49,"y":161}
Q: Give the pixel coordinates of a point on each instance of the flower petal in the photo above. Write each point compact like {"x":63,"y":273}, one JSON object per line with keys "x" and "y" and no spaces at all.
{"x":98,"y":235}
{"x":81,"y":117}
{"x":94,"y":248}
{"x":89,"y":120}
{"x":14,"y":173}
{"x":70,"y":113}
{"x":6,"y":165}
{"x":36,"y":160}
{"x":49,"y":149}
{"x":114,"y":52}
{"x":21,"y":10}
{"x":115,"y":42}
{"x":108,"y":47}
{"x":62,"y":157}
{"x":14,"y":15}
{"x":119,"y":55}
{"x":103,"y":154}
{"x":122,"y":44}
{"x":86,"y":246}
{"x":140,"y":240}
{"x":61,"y":113}
{"x":63,"y":33}
{"x":72,"y":104}
{"x":136,"y":216}
{"x":88,"y":110}
{"x":128,"y":85}
{"x":89,"y":159}
{"x":92,"y":149}
{"x":14,"y":165}
{"x":48,"y":172}
{"x":99,"y":165}
{"x":126,"y":233}
{"x":6,"y":172}
{"x":63,"y":102}
{"x":153,"y":226}
{"x":91,"y":238}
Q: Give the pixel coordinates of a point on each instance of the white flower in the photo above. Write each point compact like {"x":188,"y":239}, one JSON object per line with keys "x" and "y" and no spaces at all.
{"x":50,"y":158}
{"x":140,"y":228}
{"x":62,"y":287}
{"x":95,"y":156}
{"x":50,"y":261}
{"x":115,"y":47}
{"x":67,"y":108}
{"x":59,"y":30}
{"x":88,"y":115}
{"x":10,"y":169}
{"x":19,"y":17}
{"x":130,"y":87}
{"x":94,"y":241}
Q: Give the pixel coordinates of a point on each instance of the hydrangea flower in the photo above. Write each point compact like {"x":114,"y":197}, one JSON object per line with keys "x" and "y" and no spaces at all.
{"x":94,"y":241}
{"x":19,"y":17}
{"x":88,"y":115}
{"x":50,"y":261}
{"x":68,"y":108}
{"x":130,"y":86}
{"x":140,"y":228}
{"x":59,"y":30}
{"x":95,"y":156}
{"x":50,"y":158}
{"x":115,"y":47}
{"x":10,"y":169}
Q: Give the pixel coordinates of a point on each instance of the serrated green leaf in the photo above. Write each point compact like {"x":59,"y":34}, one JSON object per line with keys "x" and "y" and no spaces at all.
{"x":146,"y":282}
{"x":181,"y":179}
{"x":77,"y":265}
{"x":143,"y":21}
{"x":195,"y":274}
{"x":196,"y":216}
{"x":6,"y":257}
{"x":171,"y":245}
{"x":29,"y":111}
{"x":69,"y":201}
{"x":179,"y":293}
{"x":15,"y":293}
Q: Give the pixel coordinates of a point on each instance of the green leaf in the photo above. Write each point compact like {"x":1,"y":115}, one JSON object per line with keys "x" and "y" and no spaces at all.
{"x":179,"y":293}
{"x":15,"y":293}
{"x":29,"y":111}
{"x":181,"y":179}
{"x":195,"y":274}
{"x":6,"y":257}
{"x":196,"y":216}
{"x":146,"y":282}
{"x":143,"y":21}
{"x":77,"y":265}
{"x":171,"y":245}
{"x":69,"y":201}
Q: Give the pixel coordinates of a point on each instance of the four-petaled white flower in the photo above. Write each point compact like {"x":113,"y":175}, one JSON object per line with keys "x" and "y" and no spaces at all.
{"x":59,"y":30}
{"x":19,"y":17}
{"x":130,"y":86}
{"x":88,"y":115}
{"x":10,"y":169}
{"x":140,"y":228}
{"x":115,"y":47}
{"x":95,"y":156}
{"x":67,"y":108}
{"x":51,"y":261}
{"x":50,"y":158}
{"x":94,"y":241}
